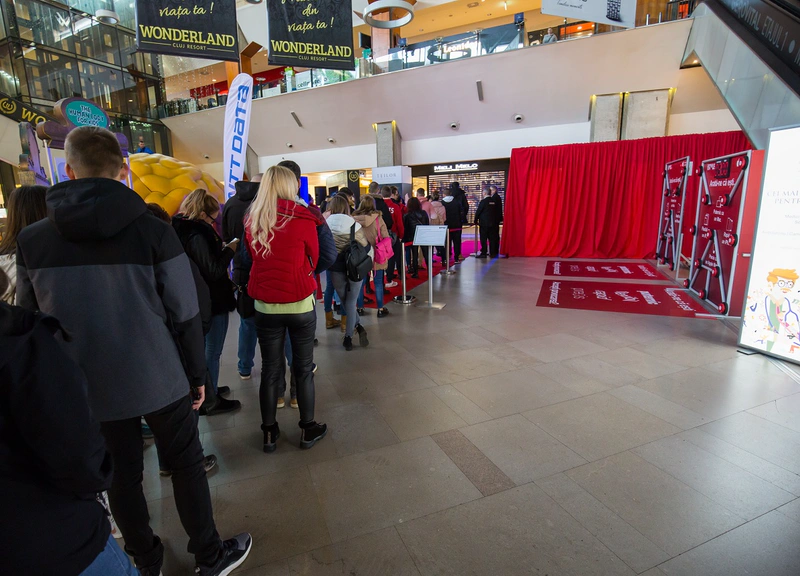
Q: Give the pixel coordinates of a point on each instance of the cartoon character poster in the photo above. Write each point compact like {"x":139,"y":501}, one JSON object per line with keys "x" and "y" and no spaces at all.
{"x":771,"y":319}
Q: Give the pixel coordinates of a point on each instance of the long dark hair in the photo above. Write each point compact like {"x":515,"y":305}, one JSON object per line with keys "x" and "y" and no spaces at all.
{"x":414,"y":204}
{"x":26,"y":205}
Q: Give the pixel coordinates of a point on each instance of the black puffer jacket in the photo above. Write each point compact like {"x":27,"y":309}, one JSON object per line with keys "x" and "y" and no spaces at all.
{"x":233,"y":225}
{"x":204,"y":247}
{"x":411,"y":221}
{"x":461,"y":198}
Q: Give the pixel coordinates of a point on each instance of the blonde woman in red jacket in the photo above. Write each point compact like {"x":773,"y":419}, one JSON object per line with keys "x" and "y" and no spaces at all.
{"x":281,"y":238}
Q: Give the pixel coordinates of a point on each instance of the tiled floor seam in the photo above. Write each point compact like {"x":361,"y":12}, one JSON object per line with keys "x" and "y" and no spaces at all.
{"x":498,"y":478}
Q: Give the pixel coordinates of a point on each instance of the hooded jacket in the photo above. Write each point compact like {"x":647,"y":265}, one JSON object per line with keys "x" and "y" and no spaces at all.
{"x":233,"y":224}
{"x":370,"y":224}
{"x":204,"y":247}
{"x":341,"y":225}
{"x":53,"y":458}
{"x":285,"y":274}
{"x":458,"y":193}
{"x":412,"y":220}
{"x":452,"y":211}
{"x":490,"y":211}
{"x":119,"y":282}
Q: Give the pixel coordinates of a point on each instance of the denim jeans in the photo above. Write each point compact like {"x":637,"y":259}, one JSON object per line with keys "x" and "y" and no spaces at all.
{"x":175,"y":431}
{"x":248,"y":338}
{"x":112,"y":561}
{"x":327,"y":295}
{"x":272,"y":330}
{"x":215,"y":341}
{"x":379,"y":287}
{"x":348,"y":294}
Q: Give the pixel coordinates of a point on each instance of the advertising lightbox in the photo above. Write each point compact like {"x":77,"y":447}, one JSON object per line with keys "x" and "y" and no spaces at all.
{"x":771,"y":319}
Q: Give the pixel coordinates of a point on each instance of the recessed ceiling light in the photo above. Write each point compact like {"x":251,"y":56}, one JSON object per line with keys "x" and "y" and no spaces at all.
{"x":473,"y":5}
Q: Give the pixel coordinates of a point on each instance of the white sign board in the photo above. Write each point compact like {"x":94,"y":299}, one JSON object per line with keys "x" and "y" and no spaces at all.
{"x":430,"y":236}
{"x":771,"y":321}
{"x":613,"y":12}
{"x":392,"y":175}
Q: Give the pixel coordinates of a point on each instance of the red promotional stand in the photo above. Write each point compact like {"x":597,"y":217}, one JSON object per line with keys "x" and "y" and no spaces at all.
{"x":723,"y":229}
{"x":670,"y":224}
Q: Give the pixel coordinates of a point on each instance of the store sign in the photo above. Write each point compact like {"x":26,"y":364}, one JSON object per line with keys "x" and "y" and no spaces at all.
{"x":85,"y":113}
{"x":200,"y":29}
{"x":20,"y":112}
{"x":447,"y":168}
{"x":771,"y":320}
{"x":236,"y":131}
{"x":311,"y":33}
{"x":613,"y":12}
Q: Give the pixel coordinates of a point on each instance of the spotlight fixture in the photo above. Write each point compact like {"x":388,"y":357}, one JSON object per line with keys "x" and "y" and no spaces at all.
{"x":518,"y":118}
{"x":332,"y":140}
{"x":107,"y":17}
{"x":454,"y":125}
{"x":289,"y":145}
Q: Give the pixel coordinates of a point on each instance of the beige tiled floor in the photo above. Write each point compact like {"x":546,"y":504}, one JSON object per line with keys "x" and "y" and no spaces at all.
{"x":495,"y":437}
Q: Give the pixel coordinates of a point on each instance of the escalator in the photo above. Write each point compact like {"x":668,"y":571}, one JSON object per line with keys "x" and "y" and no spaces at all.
{"x":751,"y":51}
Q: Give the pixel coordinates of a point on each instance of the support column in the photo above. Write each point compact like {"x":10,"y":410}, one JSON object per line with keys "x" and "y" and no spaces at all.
{"x":389,"y":144}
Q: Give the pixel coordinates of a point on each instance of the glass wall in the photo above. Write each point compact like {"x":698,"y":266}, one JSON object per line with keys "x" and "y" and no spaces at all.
{"x":54,"y":49}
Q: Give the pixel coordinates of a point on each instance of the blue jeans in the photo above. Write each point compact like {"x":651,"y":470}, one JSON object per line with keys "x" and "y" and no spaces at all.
{"x":248,"y":339}
{"x":215,"y":341}
{"x":327,"y":295}
{"x":378,"y":274}
{"x":112,"y":561}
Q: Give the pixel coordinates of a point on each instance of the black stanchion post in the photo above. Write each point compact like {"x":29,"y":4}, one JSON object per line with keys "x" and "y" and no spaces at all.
{"x":405,"y":299}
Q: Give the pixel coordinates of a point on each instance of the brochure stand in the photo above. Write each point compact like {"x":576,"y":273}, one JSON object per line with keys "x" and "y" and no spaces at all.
{"x":431,"y":236}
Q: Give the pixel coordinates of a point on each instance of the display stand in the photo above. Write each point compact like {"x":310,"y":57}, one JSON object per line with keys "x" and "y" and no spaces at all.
{"x":431,"y":236}
{"x":404,"y":299}
{"x":723,"y":229}
{"x":670,"y":224}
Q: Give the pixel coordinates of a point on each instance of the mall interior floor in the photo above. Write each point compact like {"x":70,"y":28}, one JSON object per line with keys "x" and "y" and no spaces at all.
{"x":495,"y":437}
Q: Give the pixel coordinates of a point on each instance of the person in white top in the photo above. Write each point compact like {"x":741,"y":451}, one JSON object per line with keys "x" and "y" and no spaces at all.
{"x":25,"y":206}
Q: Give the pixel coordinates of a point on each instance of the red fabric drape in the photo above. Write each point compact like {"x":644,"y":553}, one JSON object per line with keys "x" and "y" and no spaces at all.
{"x":599,"y":200}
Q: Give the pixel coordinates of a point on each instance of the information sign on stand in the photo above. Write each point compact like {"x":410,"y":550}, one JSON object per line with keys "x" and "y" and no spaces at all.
{"x":771,"y":319}
{"x":723,"y":229}
{"x":670,"y":225}
{"x":430,"y":236}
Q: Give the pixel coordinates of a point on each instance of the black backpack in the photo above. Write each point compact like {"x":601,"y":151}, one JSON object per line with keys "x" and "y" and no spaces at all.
{"x":357,"y":259}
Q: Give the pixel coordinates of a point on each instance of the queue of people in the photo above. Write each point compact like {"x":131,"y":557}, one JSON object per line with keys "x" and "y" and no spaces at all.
{"x":120,"y":320}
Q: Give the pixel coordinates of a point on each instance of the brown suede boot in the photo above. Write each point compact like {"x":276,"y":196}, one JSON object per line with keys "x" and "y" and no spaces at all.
{"x":330,"y":321}
{"x":344,"y":322}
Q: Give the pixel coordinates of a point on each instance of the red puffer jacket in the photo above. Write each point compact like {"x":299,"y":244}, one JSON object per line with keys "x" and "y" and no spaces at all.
{"x":286,"y":273}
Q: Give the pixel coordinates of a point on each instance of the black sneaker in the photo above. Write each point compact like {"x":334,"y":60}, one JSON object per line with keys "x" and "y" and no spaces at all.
{"x":222,"y":406}
{"x":481,"y":256}
{"x":209,"y":463}
{"x":383,"y":313}
{"x":223,"y":390}
{"x":311,"y":433}
{"x":271,"y":435}
{"x":234,"y":553}
{"x":348,"y":343}
{"x":361,"y":311}
{"x":362,"y":336}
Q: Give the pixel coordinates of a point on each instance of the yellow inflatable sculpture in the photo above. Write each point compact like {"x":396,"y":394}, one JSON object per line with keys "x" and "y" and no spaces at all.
{"x":166,"y":181}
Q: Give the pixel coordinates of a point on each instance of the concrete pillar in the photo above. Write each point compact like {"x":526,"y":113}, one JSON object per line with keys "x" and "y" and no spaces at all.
{"x":388,"y":141}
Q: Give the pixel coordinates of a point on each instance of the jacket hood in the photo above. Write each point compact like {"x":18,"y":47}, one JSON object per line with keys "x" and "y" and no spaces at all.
{"x":366,"y":220}
{"x":455,"y":189}
{"x":16,"y":325}
{"x":186,"y":227}
{"x":92,"y":208}
{"x":448,"y":199}
{"x":290,"y":209}
{"x":246,"y":191}
{"x":341,"y":223}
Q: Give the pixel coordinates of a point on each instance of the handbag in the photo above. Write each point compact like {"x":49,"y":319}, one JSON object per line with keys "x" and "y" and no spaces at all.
{"x":358,"y":261}
{"x":383,"y":247}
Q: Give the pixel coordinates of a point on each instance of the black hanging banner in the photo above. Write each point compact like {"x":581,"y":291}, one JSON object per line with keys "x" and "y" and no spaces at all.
{"x":195,"y":28}
{"x":311,"y":33}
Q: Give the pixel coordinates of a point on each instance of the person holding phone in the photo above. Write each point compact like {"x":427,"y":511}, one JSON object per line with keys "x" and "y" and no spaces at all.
{"x":195,"y":227}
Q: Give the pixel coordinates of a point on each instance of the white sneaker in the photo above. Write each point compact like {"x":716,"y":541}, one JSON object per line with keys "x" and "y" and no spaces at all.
{"x":245,"y":376}
{"x":391,"y":284}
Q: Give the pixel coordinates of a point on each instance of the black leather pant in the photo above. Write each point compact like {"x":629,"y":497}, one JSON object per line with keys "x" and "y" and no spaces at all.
{"x":272,"y":329}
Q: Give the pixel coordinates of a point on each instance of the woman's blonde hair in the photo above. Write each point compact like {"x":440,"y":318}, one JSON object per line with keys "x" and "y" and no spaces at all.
{"x":198,"y":203}
{"x":262,"y":220}
{"x":367,"y":206}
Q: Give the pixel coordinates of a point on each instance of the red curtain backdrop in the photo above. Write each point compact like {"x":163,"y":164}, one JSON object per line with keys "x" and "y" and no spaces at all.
{"x":599,"y":200}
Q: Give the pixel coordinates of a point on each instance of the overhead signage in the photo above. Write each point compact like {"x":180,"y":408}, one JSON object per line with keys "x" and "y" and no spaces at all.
{"x":80,"y":112}
{"x":71,"y":113}
{"x":199,"y":29}
{"x":612,"y":12}
{"x":771,"y":319}
{"x":19,"y":111}
{"x":670,"y":224}
{"x":30,"y":159}
{"x":446,"y":168}
{"x":311,"y":33}
{"x":236,"y":131}
{"x":392,"y":175}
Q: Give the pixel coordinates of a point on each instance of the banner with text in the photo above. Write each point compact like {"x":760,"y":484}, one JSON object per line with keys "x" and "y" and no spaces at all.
{"x":20,"y":112}
{"x":311,"y":33}
{"x":195,"y":28}
{"x":771,"y":322}
{"x":237,"y":129}
{"x":659,"y":300}
{"x":607,"y":269}
{"x":613,"y":12}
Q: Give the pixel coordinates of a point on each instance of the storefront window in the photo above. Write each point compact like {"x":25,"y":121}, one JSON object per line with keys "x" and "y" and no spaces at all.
{"x":8,"y":81}
{"x":103,"y":86}
{"x":42,"y":24}
{"x":51,"y":76}
{"x":96,"y":41}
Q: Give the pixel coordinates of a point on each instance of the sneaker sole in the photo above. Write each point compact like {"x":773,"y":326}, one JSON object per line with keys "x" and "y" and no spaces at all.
{"x":309,"y":445}
{"x":239,"y":562}
{"x":245,"y":377}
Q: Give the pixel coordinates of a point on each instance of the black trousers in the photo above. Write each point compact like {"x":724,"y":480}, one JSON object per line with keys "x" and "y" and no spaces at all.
{"x":396,"y":261}
{"x":493,"y":233}
{"x":175,"y":431}
{"x":271,"y":329}
{"x":455,"y":245}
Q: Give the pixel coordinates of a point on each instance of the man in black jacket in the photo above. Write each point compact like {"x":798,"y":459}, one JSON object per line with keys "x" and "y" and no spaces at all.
{"x":120,"y":284}
{"x":53,"y":459}
{"x":488,"y":216}
{"x":454,"y":220}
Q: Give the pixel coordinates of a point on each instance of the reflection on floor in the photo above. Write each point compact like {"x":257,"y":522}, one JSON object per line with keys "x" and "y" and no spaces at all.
{"x":495,"y":437}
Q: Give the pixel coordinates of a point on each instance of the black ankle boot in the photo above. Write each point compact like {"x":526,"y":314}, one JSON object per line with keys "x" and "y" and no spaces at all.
{"x":311,"y":433}
{"x":362,"y":336}
{"x":348,"y":343}
{"x":271,"y":435}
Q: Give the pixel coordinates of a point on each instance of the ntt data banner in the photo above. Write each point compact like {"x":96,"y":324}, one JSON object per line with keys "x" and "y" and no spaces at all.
{"x":771,"y":321}
{"x":311,"y":33}
{"x":196,"y":28}
{"x":613,"y":12}
{"x":237,"y":128}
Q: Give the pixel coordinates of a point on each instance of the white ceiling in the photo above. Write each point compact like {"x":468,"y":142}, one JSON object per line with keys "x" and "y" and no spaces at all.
{"x":550,"y":85}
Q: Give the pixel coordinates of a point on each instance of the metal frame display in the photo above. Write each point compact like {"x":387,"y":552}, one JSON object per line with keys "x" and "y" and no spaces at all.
{"x":670,"y":224}
{"x":710,"y":261}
